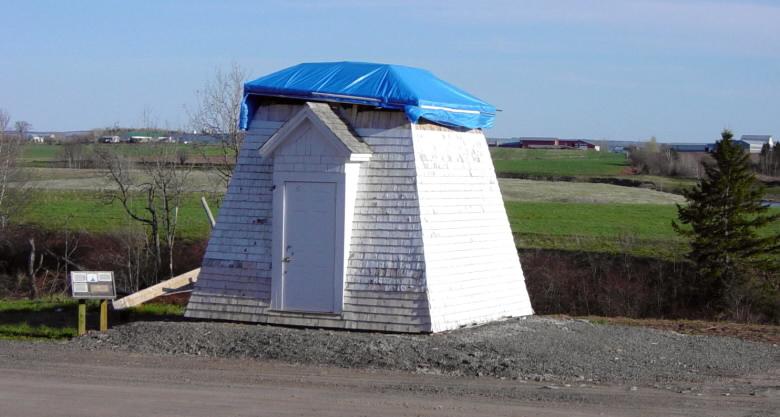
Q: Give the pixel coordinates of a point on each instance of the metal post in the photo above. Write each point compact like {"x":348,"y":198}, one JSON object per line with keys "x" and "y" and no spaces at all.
{"x":103,"y":315}
{"x":82,"y":330}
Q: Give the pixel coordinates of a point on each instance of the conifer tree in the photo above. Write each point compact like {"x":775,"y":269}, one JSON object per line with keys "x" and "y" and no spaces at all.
{"x":723,"y":215}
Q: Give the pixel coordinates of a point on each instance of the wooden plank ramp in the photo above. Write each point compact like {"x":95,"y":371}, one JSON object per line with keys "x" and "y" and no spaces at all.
{"x":178,"y":283}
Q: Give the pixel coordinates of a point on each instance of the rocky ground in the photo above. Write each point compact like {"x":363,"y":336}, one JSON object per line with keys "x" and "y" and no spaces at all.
{"x":535,"y":349}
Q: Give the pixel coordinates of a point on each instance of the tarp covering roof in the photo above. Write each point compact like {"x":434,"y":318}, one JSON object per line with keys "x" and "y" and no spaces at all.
{"x":417,"y":92}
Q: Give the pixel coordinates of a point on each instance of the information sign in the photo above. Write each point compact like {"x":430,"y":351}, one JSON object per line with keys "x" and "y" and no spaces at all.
{"x":93,"y":284}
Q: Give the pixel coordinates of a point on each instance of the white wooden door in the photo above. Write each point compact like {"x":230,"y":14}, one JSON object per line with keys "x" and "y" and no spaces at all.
{"x":309,"y":246}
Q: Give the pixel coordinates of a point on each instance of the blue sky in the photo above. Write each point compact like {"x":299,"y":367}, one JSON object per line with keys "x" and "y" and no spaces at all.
{"x":607,"y":69}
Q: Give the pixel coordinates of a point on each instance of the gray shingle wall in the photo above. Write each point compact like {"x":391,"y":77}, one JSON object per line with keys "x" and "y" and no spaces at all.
{"x":235,"y":278}
{"x":385,"y":285}
{"x":386,"y":268}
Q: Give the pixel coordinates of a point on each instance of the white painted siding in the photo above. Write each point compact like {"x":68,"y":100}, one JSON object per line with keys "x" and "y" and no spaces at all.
{"x":473,"y":271}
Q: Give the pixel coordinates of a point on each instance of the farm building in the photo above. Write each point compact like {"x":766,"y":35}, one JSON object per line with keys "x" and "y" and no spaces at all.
{"x":555,"y":143}
{"x":692,"y":147}
{"x":364,"y":198}
{"x":754,"y":143}
{"x":504,"y":142}
{"x":109,"y":139}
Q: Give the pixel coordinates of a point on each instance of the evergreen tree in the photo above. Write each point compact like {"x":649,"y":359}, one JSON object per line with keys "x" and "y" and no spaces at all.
{"x":724,"y":214}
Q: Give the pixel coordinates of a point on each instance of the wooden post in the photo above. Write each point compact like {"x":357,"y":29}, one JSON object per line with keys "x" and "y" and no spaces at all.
{"x":103,"y":315}
{"x":208,"y":211}
{"x":82,"y":326}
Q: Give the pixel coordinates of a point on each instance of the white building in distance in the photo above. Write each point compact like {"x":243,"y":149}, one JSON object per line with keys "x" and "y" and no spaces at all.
{"x":754,"y":143}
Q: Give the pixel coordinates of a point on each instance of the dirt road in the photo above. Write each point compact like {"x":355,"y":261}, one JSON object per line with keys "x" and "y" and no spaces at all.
{"x":61,"y":380}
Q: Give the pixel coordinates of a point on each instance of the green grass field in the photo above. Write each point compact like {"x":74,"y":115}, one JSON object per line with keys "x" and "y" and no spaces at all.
{"x":47,"y":153}
{"x":556,"y":162}
{"x":94,"y":212}
{"x":56,"y":317}
{"x":637,"y":229}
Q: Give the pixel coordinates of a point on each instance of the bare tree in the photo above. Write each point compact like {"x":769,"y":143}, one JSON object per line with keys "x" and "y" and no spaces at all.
{"x":12,"y":196}
{"x":74,"y":154}
{"x":169,"y":176}
{"x":129,"y":186}
{"x":159,"y":181}
{"x":217,"y":115}
{"x":22,"y":128}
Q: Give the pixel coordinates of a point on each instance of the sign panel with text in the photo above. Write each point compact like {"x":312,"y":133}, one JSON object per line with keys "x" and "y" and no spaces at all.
{"x":93,"y":284}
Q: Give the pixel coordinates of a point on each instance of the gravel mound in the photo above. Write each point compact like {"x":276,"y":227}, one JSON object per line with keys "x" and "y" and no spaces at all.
{"x":536,"y":348}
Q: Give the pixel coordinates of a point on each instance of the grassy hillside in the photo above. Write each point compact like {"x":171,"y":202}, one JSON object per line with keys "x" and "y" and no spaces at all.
{"x":46,"y":153}
{"x":636,"y":229}
{"x":555,"y":162}
{"x":514,"y":189}
{"x":201,"y":180}
{"x":94,"y":212}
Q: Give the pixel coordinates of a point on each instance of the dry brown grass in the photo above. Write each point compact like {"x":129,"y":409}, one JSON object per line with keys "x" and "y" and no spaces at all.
{"x":752,"y":332}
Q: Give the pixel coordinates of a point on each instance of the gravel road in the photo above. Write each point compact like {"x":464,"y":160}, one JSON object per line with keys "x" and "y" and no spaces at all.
{"x":64,"y":380}
{"x":535,"y":349}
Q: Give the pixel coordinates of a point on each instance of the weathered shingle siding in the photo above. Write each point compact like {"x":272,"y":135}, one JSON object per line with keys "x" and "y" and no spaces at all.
{"x":235,"y":278}
{"x":473,"y":271}
{"x":386,"y":269}
{"x":430,"y":246}
{"x":385,"y":278}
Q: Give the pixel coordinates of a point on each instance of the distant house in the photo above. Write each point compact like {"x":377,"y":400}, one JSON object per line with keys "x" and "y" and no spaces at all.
{"x":36,"y":139}
{"x":618,"y":149}
{"x":109,"y":139}
{"x":145,"y":136}
{"x":188,"y":138}
{"x":555,"y":143}
{"x":139,"y":139}
{"x":754,"y":143}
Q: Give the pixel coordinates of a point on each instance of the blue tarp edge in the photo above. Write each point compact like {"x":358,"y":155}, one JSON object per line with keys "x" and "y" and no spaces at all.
{"x":417,"y":92}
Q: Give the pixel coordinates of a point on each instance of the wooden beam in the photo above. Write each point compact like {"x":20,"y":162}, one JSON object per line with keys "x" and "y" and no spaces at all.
{"x":354,"y":112}
{"x":175,"y":284}
{"x":205,"y":205}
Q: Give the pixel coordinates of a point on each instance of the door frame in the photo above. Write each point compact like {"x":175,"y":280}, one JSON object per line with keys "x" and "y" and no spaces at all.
{"x":280,"y":180}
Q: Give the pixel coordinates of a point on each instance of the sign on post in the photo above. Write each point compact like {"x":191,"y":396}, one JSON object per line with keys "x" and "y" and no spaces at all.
{"x":94,"y":285}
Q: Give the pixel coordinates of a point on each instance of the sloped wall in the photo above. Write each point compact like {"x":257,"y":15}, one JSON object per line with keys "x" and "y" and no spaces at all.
{"x":473,"y":270}
{"x":385,"y":288}
{"x":235,"y":278}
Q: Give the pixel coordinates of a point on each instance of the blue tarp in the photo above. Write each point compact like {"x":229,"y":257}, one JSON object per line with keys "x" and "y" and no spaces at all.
{"x":415,"y":91}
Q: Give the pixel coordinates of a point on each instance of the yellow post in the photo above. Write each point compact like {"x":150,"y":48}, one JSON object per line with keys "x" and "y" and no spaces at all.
{"x":82,"y":317}
{"x":103,"y":315}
